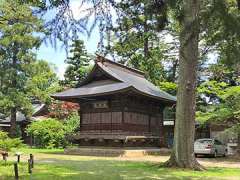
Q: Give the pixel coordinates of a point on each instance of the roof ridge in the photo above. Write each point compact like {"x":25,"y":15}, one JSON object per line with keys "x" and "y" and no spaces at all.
{"x":103,"y":59}
{"x":106,"y":70}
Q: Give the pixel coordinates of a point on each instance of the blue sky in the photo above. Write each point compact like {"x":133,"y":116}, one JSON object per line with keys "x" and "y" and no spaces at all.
{"x":58,"y":55}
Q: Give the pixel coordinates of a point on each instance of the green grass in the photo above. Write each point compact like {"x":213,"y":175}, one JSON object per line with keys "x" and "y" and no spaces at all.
{"x":59,"y":166}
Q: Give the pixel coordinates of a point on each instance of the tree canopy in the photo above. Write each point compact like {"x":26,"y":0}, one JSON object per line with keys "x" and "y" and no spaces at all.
{"x":22,"y":77}
{"x":78,"y":64}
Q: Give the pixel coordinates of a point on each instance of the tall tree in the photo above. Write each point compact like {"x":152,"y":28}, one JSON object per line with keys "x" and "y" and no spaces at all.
{"x":136,"y":37}
{"x":42,"y":82}
{"x":183,"y":152}
{"x":225,"y":111}
{"x":78,"y":64}
{"x":17,"y":25}
{"x":219,"y":94}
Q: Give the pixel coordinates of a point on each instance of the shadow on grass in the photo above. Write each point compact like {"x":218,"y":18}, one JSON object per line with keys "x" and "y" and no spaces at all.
{"x":109,"y":170}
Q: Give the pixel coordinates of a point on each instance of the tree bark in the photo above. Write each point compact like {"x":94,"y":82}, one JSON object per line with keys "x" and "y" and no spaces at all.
{"x":13,"y":122}
{"x":174,"y":71}
{"x":145,"y":30}
{"x":238,"y":143}
{"x":13,"y":110}
{"x":146,"y":49}
{"x":183,"y":152}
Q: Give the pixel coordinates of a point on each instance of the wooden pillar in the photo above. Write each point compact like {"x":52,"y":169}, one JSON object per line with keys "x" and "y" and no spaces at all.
{"x":149,"y":123}
{"x":161,"y":128}
{"x":122,"y":119}
{"x":80,"y":118}
{"x":123,"y":110}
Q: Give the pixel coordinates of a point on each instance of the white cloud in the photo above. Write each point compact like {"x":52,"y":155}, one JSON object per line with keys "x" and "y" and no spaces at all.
{"x":79,"y":10}
{"x":61,"y":70}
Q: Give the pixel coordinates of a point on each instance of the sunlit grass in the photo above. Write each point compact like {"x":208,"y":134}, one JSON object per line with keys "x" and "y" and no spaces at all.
{"x":59,"y":166}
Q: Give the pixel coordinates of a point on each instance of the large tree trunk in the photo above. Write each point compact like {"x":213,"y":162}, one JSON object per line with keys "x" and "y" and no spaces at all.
{"x":13,"y":111}
{"x":13,"y":122}
{"x":183,"y":151}
{"x":238,"y":143}
{"x":145,"y":44}
{"x":146,"y":30}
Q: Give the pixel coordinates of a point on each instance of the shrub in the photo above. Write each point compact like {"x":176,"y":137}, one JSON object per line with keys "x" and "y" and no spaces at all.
{"x":7,"y":143}
{"x":49,"y":133}
{"x":72,"y":123}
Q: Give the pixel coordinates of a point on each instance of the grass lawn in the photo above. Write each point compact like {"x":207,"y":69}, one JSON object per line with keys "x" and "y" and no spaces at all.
{"x":52,"y":164}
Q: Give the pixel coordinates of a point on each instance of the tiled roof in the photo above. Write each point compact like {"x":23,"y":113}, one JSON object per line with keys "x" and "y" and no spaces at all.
{"x":123,"y":78}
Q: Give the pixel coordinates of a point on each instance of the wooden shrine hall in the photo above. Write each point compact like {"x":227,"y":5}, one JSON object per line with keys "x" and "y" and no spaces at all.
{"x":118,"y":107}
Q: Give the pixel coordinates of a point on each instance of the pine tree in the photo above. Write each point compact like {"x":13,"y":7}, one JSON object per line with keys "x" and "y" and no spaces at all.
{"x":78,"y":64}
{"x":17,"y":25}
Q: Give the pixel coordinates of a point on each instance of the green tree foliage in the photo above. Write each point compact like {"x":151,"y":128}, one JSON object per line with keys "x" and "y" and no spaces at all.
{"x":209,"y":92}
{"x":220,"y":35}
{"x":137,"y":25}
{"x":43,"y":81}
{"x":23,"y":78}
{"x":222,"y":105}
{"x":222,"y":72}
{"x":136,"y":37}
{"x":227,"y":111}
{"x":7,"y":143}
{"x":220,"y":32}
{"x":169,"y":87}
{"x":17,"y":25}
{"x":78,"y":64}
{"x":220,"y":27}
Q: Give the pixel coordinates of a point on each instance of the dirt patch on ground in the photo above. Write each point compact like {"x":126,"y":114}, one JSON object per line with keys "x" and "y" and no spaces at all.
{"x":228,"y":162}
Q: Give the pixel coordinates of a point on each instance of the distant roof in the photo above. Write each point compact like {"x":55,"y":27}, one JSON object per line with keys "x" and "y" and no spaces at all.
{"x":122,"y":78}
{"x":20,"y":116}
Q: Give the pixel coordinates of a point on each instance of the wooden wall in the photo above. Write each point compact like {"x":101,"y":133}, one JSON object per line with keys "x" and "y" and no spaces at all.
{"x":101,"y":121}
{"x":127,"y":114}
